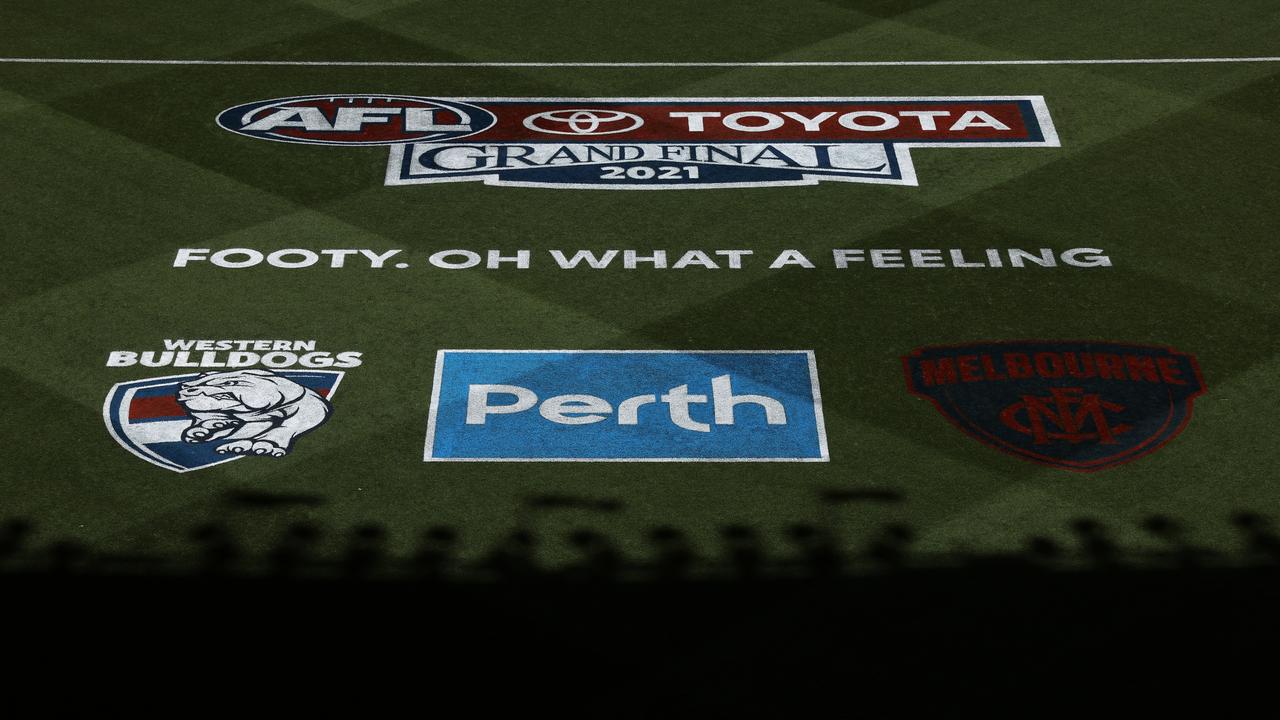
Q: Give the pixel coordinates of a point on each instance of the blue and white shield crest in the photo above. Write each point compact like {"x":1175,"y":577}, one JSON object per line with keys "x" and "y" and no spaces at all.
{"x":193,"y":421}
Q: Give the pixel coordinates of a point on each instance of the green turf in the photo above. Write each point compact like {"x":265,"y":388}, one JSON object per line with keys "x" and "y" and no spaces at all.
{"x":108,"y":169}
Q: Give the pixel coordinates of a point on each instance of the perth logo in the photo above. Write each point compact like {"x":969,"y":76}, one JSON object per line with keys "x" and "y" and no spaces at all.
{"x":254,"y":398}
{"x":648,"y":143}
{"x":626,"y":406}
{"x":1074,"y":405}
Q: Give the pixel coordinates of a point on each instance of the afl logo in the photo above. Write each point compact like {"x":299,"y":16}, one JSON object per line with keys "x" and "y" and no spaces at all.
{"x":356,"y":119}
{"x":583,"y":122}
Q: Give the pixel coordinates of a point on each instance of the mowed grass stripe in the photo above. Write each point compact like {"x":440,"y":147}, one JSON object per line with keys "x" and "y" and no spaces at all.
{"x":655,"y":31}
{"x":1150,"y":195}
{"x":1098,"y":28}
{"x":84,"y":200}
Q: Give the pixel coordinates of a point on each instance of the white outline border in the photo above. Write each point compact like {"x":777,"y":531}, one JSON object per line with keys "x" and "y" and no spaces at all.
{"x":639,"y":64}
{"x":813,"y":383}
{"x":901,"y":150}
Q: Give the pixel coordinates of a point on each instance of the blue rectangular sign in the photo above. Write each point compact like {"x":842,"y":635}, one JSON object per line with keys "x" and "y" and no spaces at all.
{"x":626,"y":406}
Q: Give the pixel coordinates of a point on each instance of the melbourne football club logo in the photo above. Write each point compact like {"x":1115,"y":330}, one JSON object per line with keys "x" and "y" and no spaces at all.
{"x":200,"y":419}
{"x":1082,"y":406}
{"x":648,"y":143}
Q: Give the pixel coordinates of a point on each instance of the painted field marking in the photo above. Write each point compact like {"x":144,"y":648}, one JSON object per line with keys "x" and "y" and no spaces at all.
{"x":571,"y":64}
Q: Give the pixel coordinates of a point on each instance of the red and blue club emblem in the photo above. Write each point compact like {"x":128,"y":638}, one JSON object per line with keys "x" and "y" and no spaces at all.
{"x":1077,"y":405}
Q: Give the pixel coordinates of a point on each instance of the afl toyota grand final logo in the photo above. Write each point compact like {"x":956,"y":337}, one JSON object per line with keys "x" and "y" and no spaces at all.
{"x":648,"y":143}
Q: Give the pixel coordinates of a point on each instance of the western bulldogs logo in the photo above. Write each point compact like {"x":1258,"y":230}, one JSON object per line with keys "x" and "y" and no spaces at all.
{"x":1075,"y":405}
{"x":649,"y":143}
{"x":190,"y":422}
{"x":226,"y":408}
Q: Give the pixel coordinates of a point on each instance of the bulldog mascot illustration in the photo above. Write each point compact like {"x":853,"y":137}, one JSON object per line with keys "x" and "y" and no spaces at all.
{"x":256,"y":411}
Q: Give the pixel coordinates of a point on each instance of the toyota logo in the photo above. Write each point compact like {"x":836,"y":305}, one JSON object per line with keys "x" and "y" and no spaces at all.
{"x":583,"y":122}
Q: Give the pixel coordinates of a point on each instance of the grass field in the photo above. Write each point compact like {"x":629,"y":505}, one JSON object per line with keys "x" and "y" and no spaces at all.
{"x":108,"y":169}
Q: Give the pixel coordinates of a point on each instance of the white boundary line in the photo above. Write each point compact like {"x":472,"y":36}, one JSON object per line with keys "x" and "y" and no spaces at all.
{"x":435,"y":405}
{"x":817,"y":406}
{"x":428,"y":455}
{"x":772,"y":64}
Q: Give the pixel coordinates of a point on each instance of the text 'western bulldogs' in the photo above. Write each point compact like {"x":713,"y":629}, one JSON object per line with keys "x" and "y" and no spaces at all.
{"x":235,"y":354}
